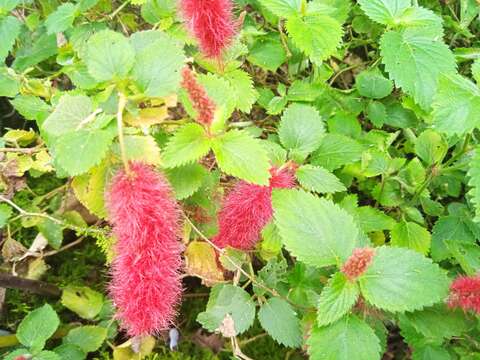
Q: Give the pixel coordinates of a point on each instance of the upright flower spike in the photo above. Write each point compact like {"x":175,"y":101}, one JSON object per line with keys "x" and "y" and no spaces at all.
{"x":247,"y":209}
{"x":465,"y":293}
{"x":212,"y":24}
{"x":146,"y":284}
{"x":358,"y":263}
{"x":204,"y":106}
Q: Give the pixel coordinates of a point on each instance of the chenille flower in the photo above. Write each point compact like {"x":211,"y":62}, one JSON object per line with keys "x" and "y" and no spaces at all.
{"x":358,"y":263}
{"x":465,"y":293}
{"x":211,"y":23}
{"x":247,"y":209}
{"x":204,"y":106}
{"x":146,"y":284}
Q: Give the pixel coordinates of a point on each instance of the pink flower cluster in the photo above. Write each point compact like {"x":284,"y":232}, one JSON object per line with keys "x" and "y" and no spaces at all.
{"x":146,"y":284}
{"x":465,"y":293}
{"x":358,"y":263}
{"x":247,"y":209}
{"x":204,"y":106}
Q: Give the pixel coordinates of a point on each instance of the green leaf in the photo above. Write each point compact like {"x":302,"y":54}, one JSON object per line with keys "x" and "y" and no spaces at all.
{"x":31,"y":107}
{"x":415,"y":62}
{"x":70,"y":111}
{"x":411,"y":235}
{"x":282,"y":8}
{"x":395,"y":281}
{"x":476,"y":70}
{"x":431,"y":147}
{"x":431,"y":352}
{"x":377,"y":113}
{"x":335,"y":151}
{"x":141,"y":148}
{"x":280,"y":321}
{"x":109,"y":55}
{"x":348,"y":338}
{"x":89,"y":338}
{"x":417,"y":18}
{"x":9,"y":30}
{"x":37,"y":327}
{"x":301,"y":129}
{"x":474,"y":182}
{"x":9,"y":86}
{"x":228,"y":299}
{"x":186,"y":179}
{"x":337,"y":299}
{"x":61,"y":19}
{"x":46,"y":355}
{"x":79,"y":151}
{"x":83,"y":301}
{"x":466,"y":253}
{"x":8,"y":5}
{"x":384,"y":11}
{"x":52,"y":231}
{"x":267,"y":52}
{"x":314,"y":230}
{"x":187,"y":145}
{"x":318,"y":179}
{"x":372,"y":84}
{"x":157,"y":64}
{"x":40,"y":48}
{"x":456,"y":105}
{"x":371,"y":219}
{"x":243,"y":90}
{"x":70,"y":352}
{"x":317,"y":35}
{"x":5,"y":213}
{"x":239,"y":154}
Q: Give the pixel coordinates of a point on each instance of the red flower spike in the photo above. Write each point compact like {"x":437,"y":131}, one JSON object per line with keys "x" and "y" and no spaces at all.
{"x":204,"y":106}
{"x":465,"y":293}
{"x":247,"y":209}
{"x":146,"y":284}
{"x":358,"y":263}
{"x":212,"y":24}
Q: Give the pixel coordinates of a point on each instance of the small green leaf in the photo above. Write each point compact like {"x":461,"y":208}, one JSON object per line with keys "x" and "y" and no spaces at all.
{"x":384,"y":11}
{"x":431,"y":147}
{"x":239,"y":154}
{"x":9,"y":85}
{"x":371,"y":219}
{"x":37,"y":327}
{"x":335,"y":151}
{"x":301,"y":129}
{"x":61,"y":19}
{"x":33,"y":52}
{"x":9,"y":30}
{"x":187,"y":145}
{"x":228,"y":299}
{"x":52,"y":231}
{"x":418,"y":18}
{"x":267,"y":52}
{"x":411,"y":235}
{"x":243,"y":90}
{"x":70,"y":352}
{"x":31,"y":107}
{"x":395,"y":281}
{"x":336,"y":300}
{"x":316,"y":35}
{"x":316,"y":231}
{"x":466,"y":253}
{"x":279,"y":319}
{"x":282,"y":8}
{"x":318,"y":179}
{"x":46,"y":355}
{"x":8,"y":5}
{"x":89,"y":338}
{"x":83,"y":301}
{"x":372,"y":84}
{"x":109,"y":55}
{"x":186,"y":179}
{"x":5,"y":213}
{"x":348,"y":338}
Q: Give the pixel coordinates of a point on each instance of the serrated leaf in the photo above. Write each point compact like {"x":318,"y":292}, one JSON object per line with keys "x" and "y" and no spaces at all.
{"x":431,"y":352}
{"x":52,"y":231}
{"x":282,"y":8}
{"x":83,"y":301}
{"x":157,"y":64}
{"x":317,"y":35}
{"x":301,"y":129}
{"x":449,"y":227}
{"x":61,"y":19}
{"x":474,"y":182}
{"x":243,"y":90}
{"x":31,"y":107}
{"x":186,"y":179}
{"x":46,"y":355}
{"x":335,"y":151}
{"x":415,"y":62}
{"x":267,"y":52}
{"x":395,"y":281}
{"x":228,"y":299}
{"x":239,"y":154}
{"x":371,"y":219}
{"x":456,"y":105}
{"x":336,"y":299}
{"x":79,"y":151}
{"x":418,"y":18}
{"x":466,"y":253}
{"x":109,"y":55}
{"x":187,"y":145}
{"x":33,"y":52}
{"x":141,"y":148}
{"x":9,"y":30}
{"x":89,"y":338}
{"x":318,"y":179}
{"x":372,"y":84}
{"x":279,"y":319}
{"x":37,"y":327}
{"x":348,"y":338}
{"x":384,"y":11}
{"x":431,"y":147}
{"x":316,"y":231}
{"x":70,"y":352}
{"x":411,"y":235}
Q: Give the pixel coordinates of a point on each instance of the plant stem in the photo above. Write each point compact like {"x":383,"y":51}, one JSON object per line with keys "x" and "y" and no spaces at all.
{"x":37,"y":287}
{"x":122,"y":102}
{"x":120,"y":8}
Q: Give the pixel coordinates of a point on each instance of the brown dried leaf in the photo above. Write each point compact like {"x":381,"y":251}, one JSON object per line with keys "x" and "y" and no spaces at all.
{"x":201,"y":262}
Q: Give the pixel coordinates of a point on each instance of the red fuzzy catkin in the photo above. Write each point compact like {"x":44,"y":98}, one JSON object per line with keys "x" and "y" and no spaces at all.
{"x":212,"y":24}
{"x":247,"y":209}
{"x":358,"y":263}
{"x":146,"y":284}
{"x":204,"y":106}
{"x":465,"y":293}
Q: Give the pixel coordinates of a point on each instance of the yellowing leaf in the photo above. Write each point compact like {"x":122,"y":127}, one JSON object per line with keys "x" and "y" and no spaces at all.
{"x":20,"y":137}
{"x":148,"y":116}
{"x":201,"y":262}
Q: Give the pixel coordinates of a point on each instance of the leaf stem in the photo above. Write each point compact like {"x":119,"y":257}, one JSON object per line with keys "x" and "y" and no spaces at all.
{"x":122,"y":102}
